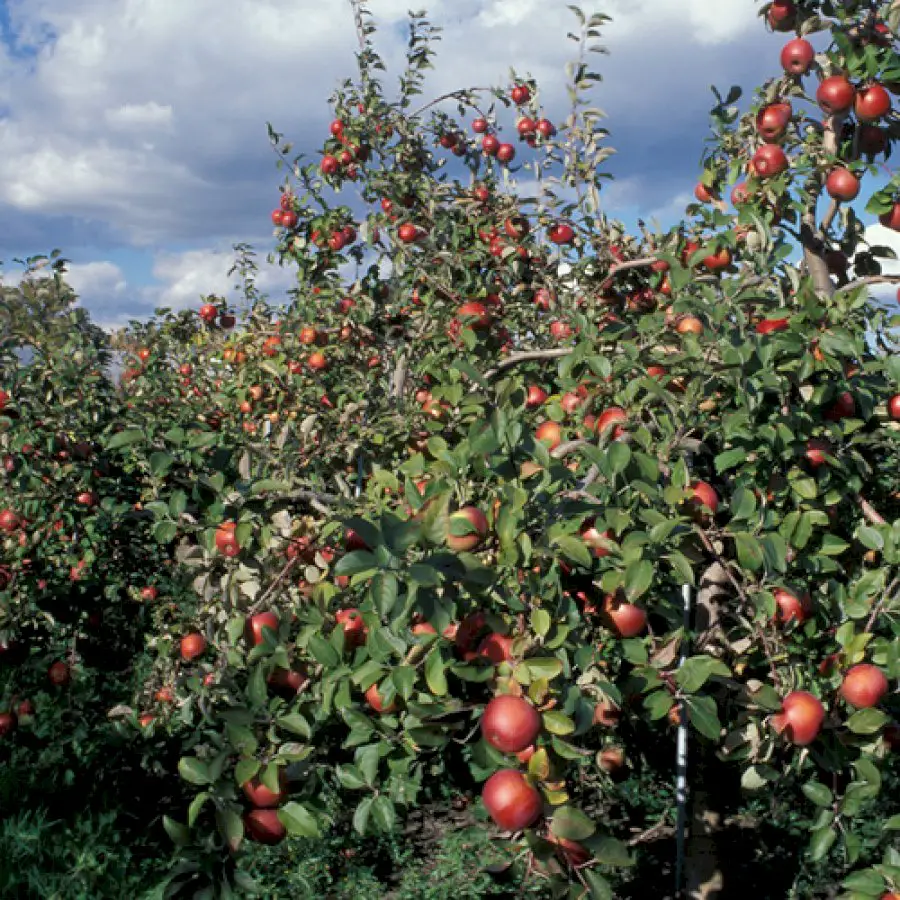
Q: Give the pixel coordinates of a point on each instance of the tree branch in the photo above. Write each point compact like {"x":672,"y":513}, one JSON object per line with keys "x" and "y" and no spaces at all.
{"x":869,"y":279}
{"x":526,"y":356}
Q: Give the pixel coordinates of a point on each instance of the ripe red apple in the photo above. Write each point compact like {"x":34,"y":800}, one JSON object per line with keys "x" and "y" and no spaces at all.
{"x":511,"y":800}
{"x":594,"y":539}
{"x":843,"y":407}
{"x":772,"y":121}
{"x":59,"y":674}
{"x":260,"y":796}
{"x":817,"y":450}
{"x":192,"y":646}
{"x":537,"y":396}
{"x":740,"y":194}
{"x":570,"y":851}
{"x":329,"y":164}
{"x":864,"y":685}
{"x":549,"y":433}
{"x":769,"y":160}
{"x":506,"y":153}
{"x":475,"y":315}
{"x":835,"y":95}
{"x":561,"y":233}
{"x":611,"y":759}
{"x":288,"y":681}
{"x":703,"y":496}
{"x":490,"y":143}
{"x":226,"y":542}
{"x":264,"y":826}
{"x":790,"y":607}
{"x":797,"y":56}
{"x":520,"y":94}
{"x":479,"y":125}
{"x":768,"y":326}
{"x":208,"y":312}
{"x":476,"y":519}
{"x":373,"y":698}
{"x":4,"y":399}
{"x":801,"y":718}
{"x":872,"y":103}
{"x":782,"y":15}
{"x":718,"y":259}
{"x":689,"y":325}
{"x":891,"y":219}
{"x":510,"y":724}
{"x":893,"y":408}
{"x":702,"y":193}
{"x":408,"y":233}
{"x":842,"y":185}
{"x":496,"y":647}
{"x":7,"y":723}
{"x":872,"y":139}
{"x":626,"y":619}
{"x":149,"y":593}
{"x":560,"y":330}
{"x":355,"y":630}
{"x":256,"y":624}
{"x":9,"y":521}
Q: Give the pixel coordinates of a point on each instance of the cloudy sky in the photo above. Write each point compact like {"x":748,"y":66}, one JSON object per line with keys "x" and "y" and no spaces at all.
{"x":132,"y":132}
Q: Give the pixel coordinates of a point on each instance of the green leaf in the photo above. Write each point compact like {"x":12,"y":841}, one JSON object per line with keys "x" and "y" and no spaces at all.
{"x":749,"y":552}
{"x":245,"y":770}
{"x":356,"y":562}
{"x":179,"y":834}
{"x":361,"y":815}
{"x":126,"y":437}
{"x":323,"y":651}
{"x":703,"y":715}
{"x":597,"y":885}
{"x":193,"y":770}
{"x":383,"y":814}
{"x":612,"y":852}
{"x":695,"y":672}
{"x":160,"y":463}
{"x":541,"y":668}
{"x":435,"y":674}
{"x":818,"y":793}
{"x":867,"y":882}
{"x":575,"y":549}
{"x":385,"y":589}
{"x":298,"y":820}
{"x":195,"y":807}
{"x":821,"y":842}
{"x":295,"y":724}
{"x":540,"y":621}
{"x":618,"y":456}
{"x":165,"y":532}
{"x":558,"y":723}
{"x":638,"y":578}
{"x":569,"y":822}
{"x":866,"y":721}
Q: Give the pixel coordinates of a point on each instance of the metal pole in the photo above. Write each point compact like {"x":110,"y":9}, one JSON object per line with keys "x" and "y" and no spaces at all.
{"x":681,"y":755}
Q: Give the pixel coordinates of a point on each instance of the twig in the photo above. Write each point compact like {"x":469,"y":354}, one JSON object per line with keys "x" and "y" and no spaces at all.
{"x":526,"y":356}
{"x":869,"y":279}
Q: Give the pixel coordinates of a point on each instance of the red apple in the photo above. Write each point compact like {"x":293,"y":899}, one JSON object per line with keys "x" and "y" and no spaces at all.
{"x":264,"y":826}
{"x":226,"y":542}
{"x":772,"y":121}
{"x":704,"y":497}
{"x":790,"y":607}
{"x":835,"y":95}
{"x":260,"y":796}
{"x":256,"y":624}
{"x":355,"y":630}
{"x":768,"y":326}
{"x":510,"y":724}
{"x":561,"y":233}
{"x":59,"y":674}
{"x":842,"y":185}
{"x":511,"y":800}
{"x":891,"y":219}
{"x":549,"y":433}
{"x":893,"y":408}
{"x":496,"y":647}
{"x":864,"y":685}
{"x":477,"y":522}
{"x":769,"y":160}
{"x":801,"y":718}
{"x":797,"y":56}
{"x":373,"y":698}
{"x":781,"y":15}
{"x":192,"y":646}
{"x":536,"y":396}
{"x":872,"y":102}
{"x":626,"y":619}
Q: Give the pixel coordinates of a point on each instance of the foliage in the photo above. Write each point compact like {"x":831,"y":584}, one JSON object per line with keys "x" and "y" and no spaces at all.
{"x":486,"y":462}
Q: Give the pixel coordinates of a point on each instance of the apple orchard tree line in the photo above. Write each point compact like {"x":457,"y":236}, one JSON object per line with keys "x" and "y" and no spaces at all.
{"x":423,"y":528}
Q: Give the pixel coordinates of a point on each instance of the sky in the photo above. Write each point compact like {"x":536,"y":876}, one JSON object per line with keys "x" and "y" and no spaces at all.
{"x":133,"y":132}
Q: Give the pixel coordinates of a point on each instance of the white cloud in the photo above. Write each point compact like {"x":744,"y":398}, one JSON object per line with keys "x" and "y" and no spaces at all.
{"x":140,"y":114}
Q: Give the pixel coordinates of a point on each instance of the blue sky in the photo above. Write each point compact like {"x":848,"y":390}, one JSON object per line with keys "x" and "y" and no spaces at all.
{"x":132,"y":132}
